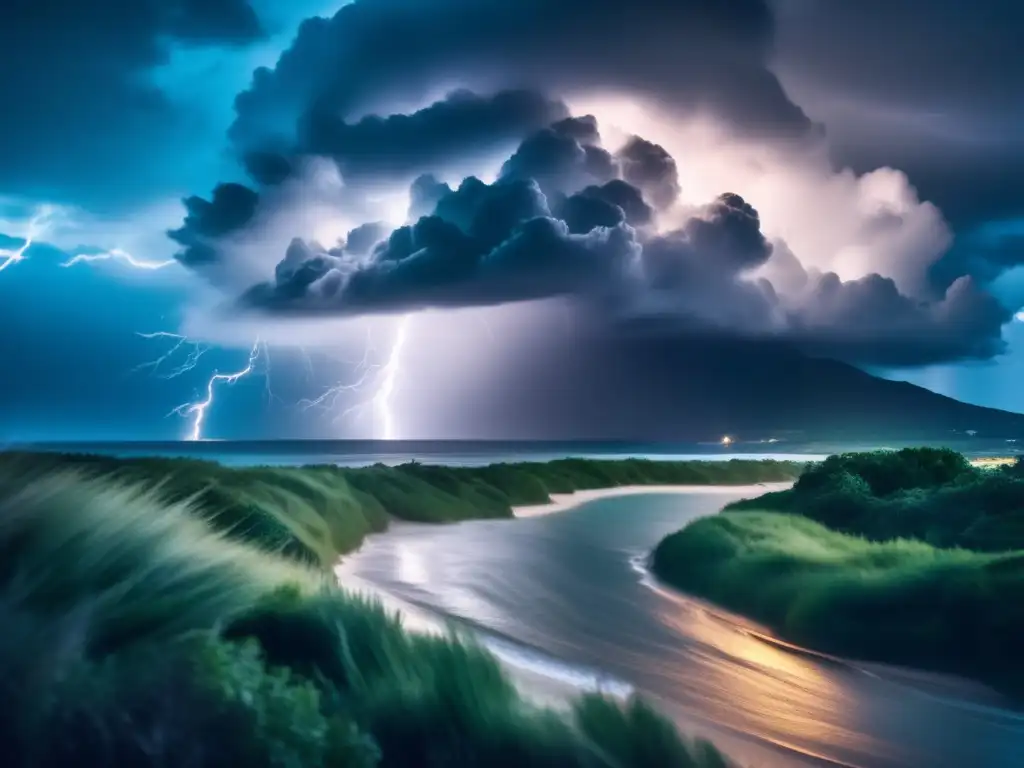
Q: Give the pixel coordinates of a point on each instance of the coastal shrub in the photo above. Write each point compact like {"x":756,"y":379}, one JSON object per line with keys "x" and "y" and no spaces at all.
{"x":942,"y":500}
{"x":886,"y":472}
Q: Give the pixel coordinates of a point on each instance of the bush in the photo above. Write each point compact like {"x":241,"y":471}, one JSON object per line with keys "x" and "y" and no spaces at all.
{"x":939,"y":501}
{"x":886,"y":472}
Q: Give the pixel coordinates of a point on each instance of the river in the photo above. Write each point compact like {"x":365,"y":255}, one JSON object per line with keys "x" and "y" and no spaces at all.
{"x":565,"y":597}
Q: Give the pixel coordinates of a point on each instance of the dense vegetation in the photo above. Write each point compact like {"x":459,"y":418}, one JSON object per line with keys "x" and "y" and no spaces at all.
{"x":135,"y":634}
{"x":316,"y":513}
{"x":911,"y":557}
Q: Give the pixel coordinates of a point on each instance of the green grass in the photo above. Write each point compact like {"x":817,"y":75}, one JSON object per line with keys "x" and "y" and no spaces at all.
{"x":144,"y":626}
{"x":867,"y":558}
{"x":926,"y":494}
{"x":316,"y":513}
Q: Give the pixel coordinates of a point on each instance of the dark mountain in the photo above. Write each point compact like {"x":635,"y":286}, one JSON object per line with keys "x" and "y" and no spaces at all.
{"x":658,"y":388}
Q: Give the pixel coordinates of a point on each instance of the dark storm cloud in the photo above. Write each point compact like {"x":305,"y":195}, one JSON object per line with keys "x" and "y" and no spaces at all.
{"x":869,"y":321}
{"x":73,"y":84}
{"x":933,"y":89}
{"x":463,"y":126}
{"x":727,"y":239}
{"x":376,"y":150}
{"x":607,"y":205}
{"x":230,"y":209}
{"x":651,"y":168}
{"x":686,"y":54}
{"x":485,"y":244}
{"x":360,"y":241}
{"x":562,"y":157}
{"x":424,"y":195}
{"x":984,"y":258}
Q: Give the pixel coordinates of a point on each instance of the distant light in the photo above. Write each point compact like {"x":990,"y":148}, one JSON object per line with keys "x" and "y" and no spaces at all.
{"x":726,"y":440}
{"x":1019,"y":317}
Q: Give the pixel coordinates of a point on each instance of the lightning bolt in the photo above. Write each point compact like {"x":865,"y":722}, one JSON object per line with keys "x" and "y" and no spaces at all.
{"x":117,"y":254}
{"x":382,"y":401}
{"x":382,"y":378}
{"x":196,"y":351}
{"x":198,"y":410}
{"x":37,"y":225}
{"x":365,"y":369}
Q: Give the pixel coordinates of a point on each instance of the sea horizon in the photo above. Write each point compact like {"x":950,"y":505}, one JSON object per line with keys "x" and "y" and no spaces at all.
{"x":475,"y":452}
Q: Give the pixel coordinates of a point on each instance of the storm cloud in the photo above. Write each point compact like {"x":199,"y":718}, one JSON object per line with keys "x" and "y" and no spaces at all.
{"x":933,"y":90}
{"x":553,"y":234}
{"x":462,"y":127}
{"x":688,"y":54}
{"x":74,"y":85}
{"x":782,"y":246}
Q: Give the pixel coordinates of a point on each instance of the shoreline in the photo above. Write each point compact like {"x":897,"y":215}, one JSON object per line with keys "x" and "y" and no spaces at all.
{"x":540,"y":685}
{"x":561,"y":502}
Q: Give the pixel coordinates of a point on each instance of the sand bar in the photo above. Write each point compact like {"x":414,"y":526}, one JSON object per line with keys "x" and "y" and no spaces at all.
{"x":563,"y":501}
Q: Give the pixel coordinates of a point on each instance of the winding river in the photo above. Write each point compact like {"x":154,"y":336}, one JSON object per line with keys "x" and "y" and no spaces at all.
{"x":564,"y":597}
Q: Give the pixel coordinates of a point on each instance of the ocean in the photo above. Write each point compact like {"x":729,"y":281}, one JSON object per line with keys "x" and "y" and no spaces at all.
{"x":356,"y":453}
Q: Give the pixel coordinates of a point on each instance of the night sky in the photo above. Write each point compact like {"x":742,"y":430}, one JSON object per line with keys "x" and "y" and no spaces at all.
{"x":374,"y":212}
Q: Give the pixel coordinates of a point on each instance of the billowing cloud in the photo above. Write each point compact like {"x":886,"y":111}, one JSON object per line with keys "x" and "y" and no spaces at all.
{"x":705,"y":201}
{"x":376,"y":55}
{"x":338,"y":165}
{"x":463,"y":127}
{"x":650,"y":168}
{"x":562,"y":157}
{"x":549,"y":227}
{"x":231,"y":208}
{"x":484,"y":244}
{"x":932,"y":91}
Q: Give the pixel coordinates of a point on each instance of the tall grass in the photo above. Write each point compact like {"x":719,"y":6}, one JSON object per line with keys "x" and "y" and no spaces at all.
{"x":901,"y":601}
{"x":314,"y":514}
{"x":134,"y":634}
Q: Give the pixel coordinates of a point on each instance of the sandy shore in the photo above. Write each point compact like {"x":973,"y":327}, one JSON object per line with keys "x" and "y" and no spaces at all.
{"x":563,"y":501}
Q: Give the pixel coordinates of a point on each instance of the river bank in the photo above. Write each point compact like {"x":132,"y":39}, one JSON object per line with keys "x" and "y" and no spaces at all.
{"x":562,"y":502}
{"x":566,"y":588}
{"x":913,"y":558}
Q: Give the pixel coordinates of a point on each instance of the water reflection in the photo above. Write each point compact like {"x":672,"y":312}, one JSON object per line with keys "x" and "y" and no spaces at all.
{"x":759,"y":688}
{"x":565,"y":589}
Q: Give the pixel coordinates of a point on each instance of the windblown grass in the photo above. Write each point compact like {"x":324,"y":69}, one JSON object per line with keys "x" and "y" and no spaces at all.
{"x":135,"y":635}
{"x":901,"y":601}
{"x":315,"y":514}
